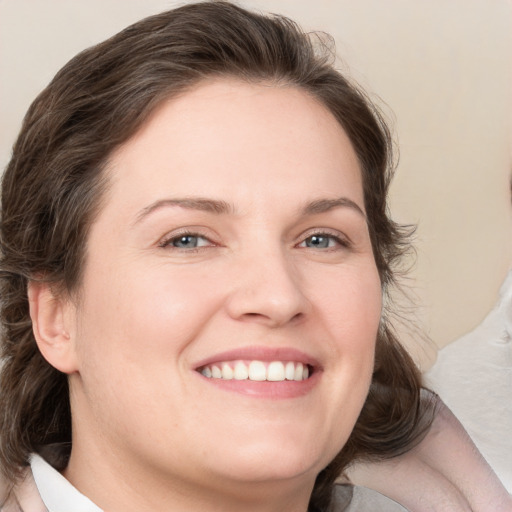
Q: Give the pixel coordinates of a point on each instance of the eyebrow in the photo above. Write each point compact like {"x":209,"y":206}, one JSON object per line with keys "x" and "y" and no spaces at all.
{"x":191,"y":203}
{"x":220,"y":207}
{"x":324,"y":205}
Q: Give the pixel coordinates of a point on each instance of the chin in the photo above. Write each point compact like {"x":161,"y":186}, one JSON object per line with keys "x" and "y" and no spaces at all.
{"x":277,"y":459}
{"x":278,"y":469}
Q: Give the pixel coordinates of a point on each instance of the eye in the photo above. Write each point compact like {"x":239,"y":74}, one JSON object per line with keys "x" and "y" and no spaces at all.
{"x":186,"y":241}
{"x":323,"y":241}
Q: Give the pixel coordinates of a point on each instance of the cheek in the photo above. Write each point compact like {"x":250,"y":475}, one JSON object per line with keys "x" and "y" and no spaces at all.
{"x":350,"y":304}
{"x":139,"y":314}
{"x":351,"y":309}
{"x":351,"y":312}
{"x":363,"y":319}
{"x":135,"y":330}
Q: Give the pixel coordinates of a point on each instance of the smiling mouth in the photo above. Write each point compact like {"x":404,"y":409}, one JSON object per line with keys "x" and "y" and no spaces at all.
{"x":259,"y":371}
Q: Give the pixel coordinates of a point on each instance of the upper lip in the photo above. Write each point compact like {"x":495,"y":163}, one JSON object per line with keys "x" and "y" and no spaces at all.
{"x":260,"y":353}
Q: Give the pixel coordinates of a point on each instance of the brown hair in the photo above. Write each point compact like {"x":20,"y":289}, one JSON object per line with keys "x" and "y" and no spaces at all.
{"x":54,"y":184}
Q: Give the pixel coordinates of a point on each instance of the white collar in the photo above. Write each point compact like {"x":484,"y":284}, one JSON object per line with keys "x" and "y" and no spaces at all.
{"x":57,"y":493}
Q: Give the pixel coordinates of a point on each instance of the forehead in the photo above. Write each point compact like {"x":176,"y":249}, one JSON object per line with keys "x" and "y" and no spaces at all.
{"x":227,"y":136}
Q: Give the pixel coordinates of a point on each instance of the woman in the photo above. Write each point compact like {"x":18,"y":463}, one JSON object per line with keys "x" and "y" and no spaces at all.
{"x":195,"y":246}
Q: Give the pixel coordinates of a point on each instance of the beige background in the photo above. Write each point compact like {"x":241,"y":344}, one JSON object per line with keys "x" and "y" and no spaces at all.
{"x":443,"y":71}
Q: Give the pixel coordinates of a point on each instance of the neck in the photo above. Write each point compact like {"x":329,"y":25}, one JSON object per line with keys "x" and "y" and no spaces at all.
{"x":117,"y":486}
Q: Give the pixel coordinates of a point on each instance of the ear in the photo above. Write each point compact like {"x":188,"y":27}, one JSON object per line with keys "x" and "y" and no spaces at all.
{"x":52,"y":321}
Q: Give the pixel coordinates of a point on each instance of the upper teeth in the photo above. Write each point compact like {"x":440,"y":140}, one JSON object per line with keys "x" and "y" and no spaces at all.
{"x":257,"y":370}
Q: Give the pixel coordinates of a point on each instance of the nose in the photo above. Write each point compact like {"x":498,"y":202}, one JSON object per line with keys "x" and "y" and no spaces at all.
{"x":268,"y":289}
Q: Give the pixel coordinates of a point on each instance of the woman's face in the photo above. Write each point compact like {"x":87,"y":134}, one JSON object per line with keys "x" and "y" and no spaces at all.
{"x":232,"y":241}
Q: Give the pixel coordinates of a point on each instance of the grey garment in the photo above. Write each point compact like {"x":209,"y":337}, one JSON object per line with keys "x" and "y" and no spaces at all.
{"x":363,"y":500}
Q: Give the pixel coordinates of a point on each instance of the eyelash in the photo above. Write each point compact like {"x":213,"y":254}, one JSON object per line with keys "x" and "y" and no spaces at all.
{"x":167,"y":242}
{"x":340,"y":241}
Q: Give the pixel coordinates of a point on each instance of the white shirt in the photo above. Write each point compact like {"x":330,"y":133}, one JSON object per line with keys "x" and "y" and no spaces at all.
{"x":57,"y":493}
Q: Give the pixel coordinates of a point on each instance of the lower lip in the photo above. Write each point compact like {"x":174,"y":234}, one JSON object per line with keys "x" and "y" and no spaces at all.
{"x":266,"y":389}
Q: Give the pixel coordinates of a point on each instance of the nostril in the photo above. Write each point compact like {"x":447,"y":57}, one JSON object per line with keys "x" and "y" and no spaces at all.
{"x":270,"y":315}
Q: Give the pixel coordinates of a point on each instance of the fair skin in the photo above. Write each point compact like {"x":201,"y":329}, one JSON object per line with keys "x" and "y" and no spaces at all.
{"x":233,"y":230}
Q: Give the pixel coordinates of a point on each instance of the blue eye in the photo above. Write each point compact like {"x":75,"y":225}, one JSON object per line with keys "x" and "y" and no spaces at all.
{"x":319,"y":241}
{"x":322,"y":241}
{"x":188,"y":241}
